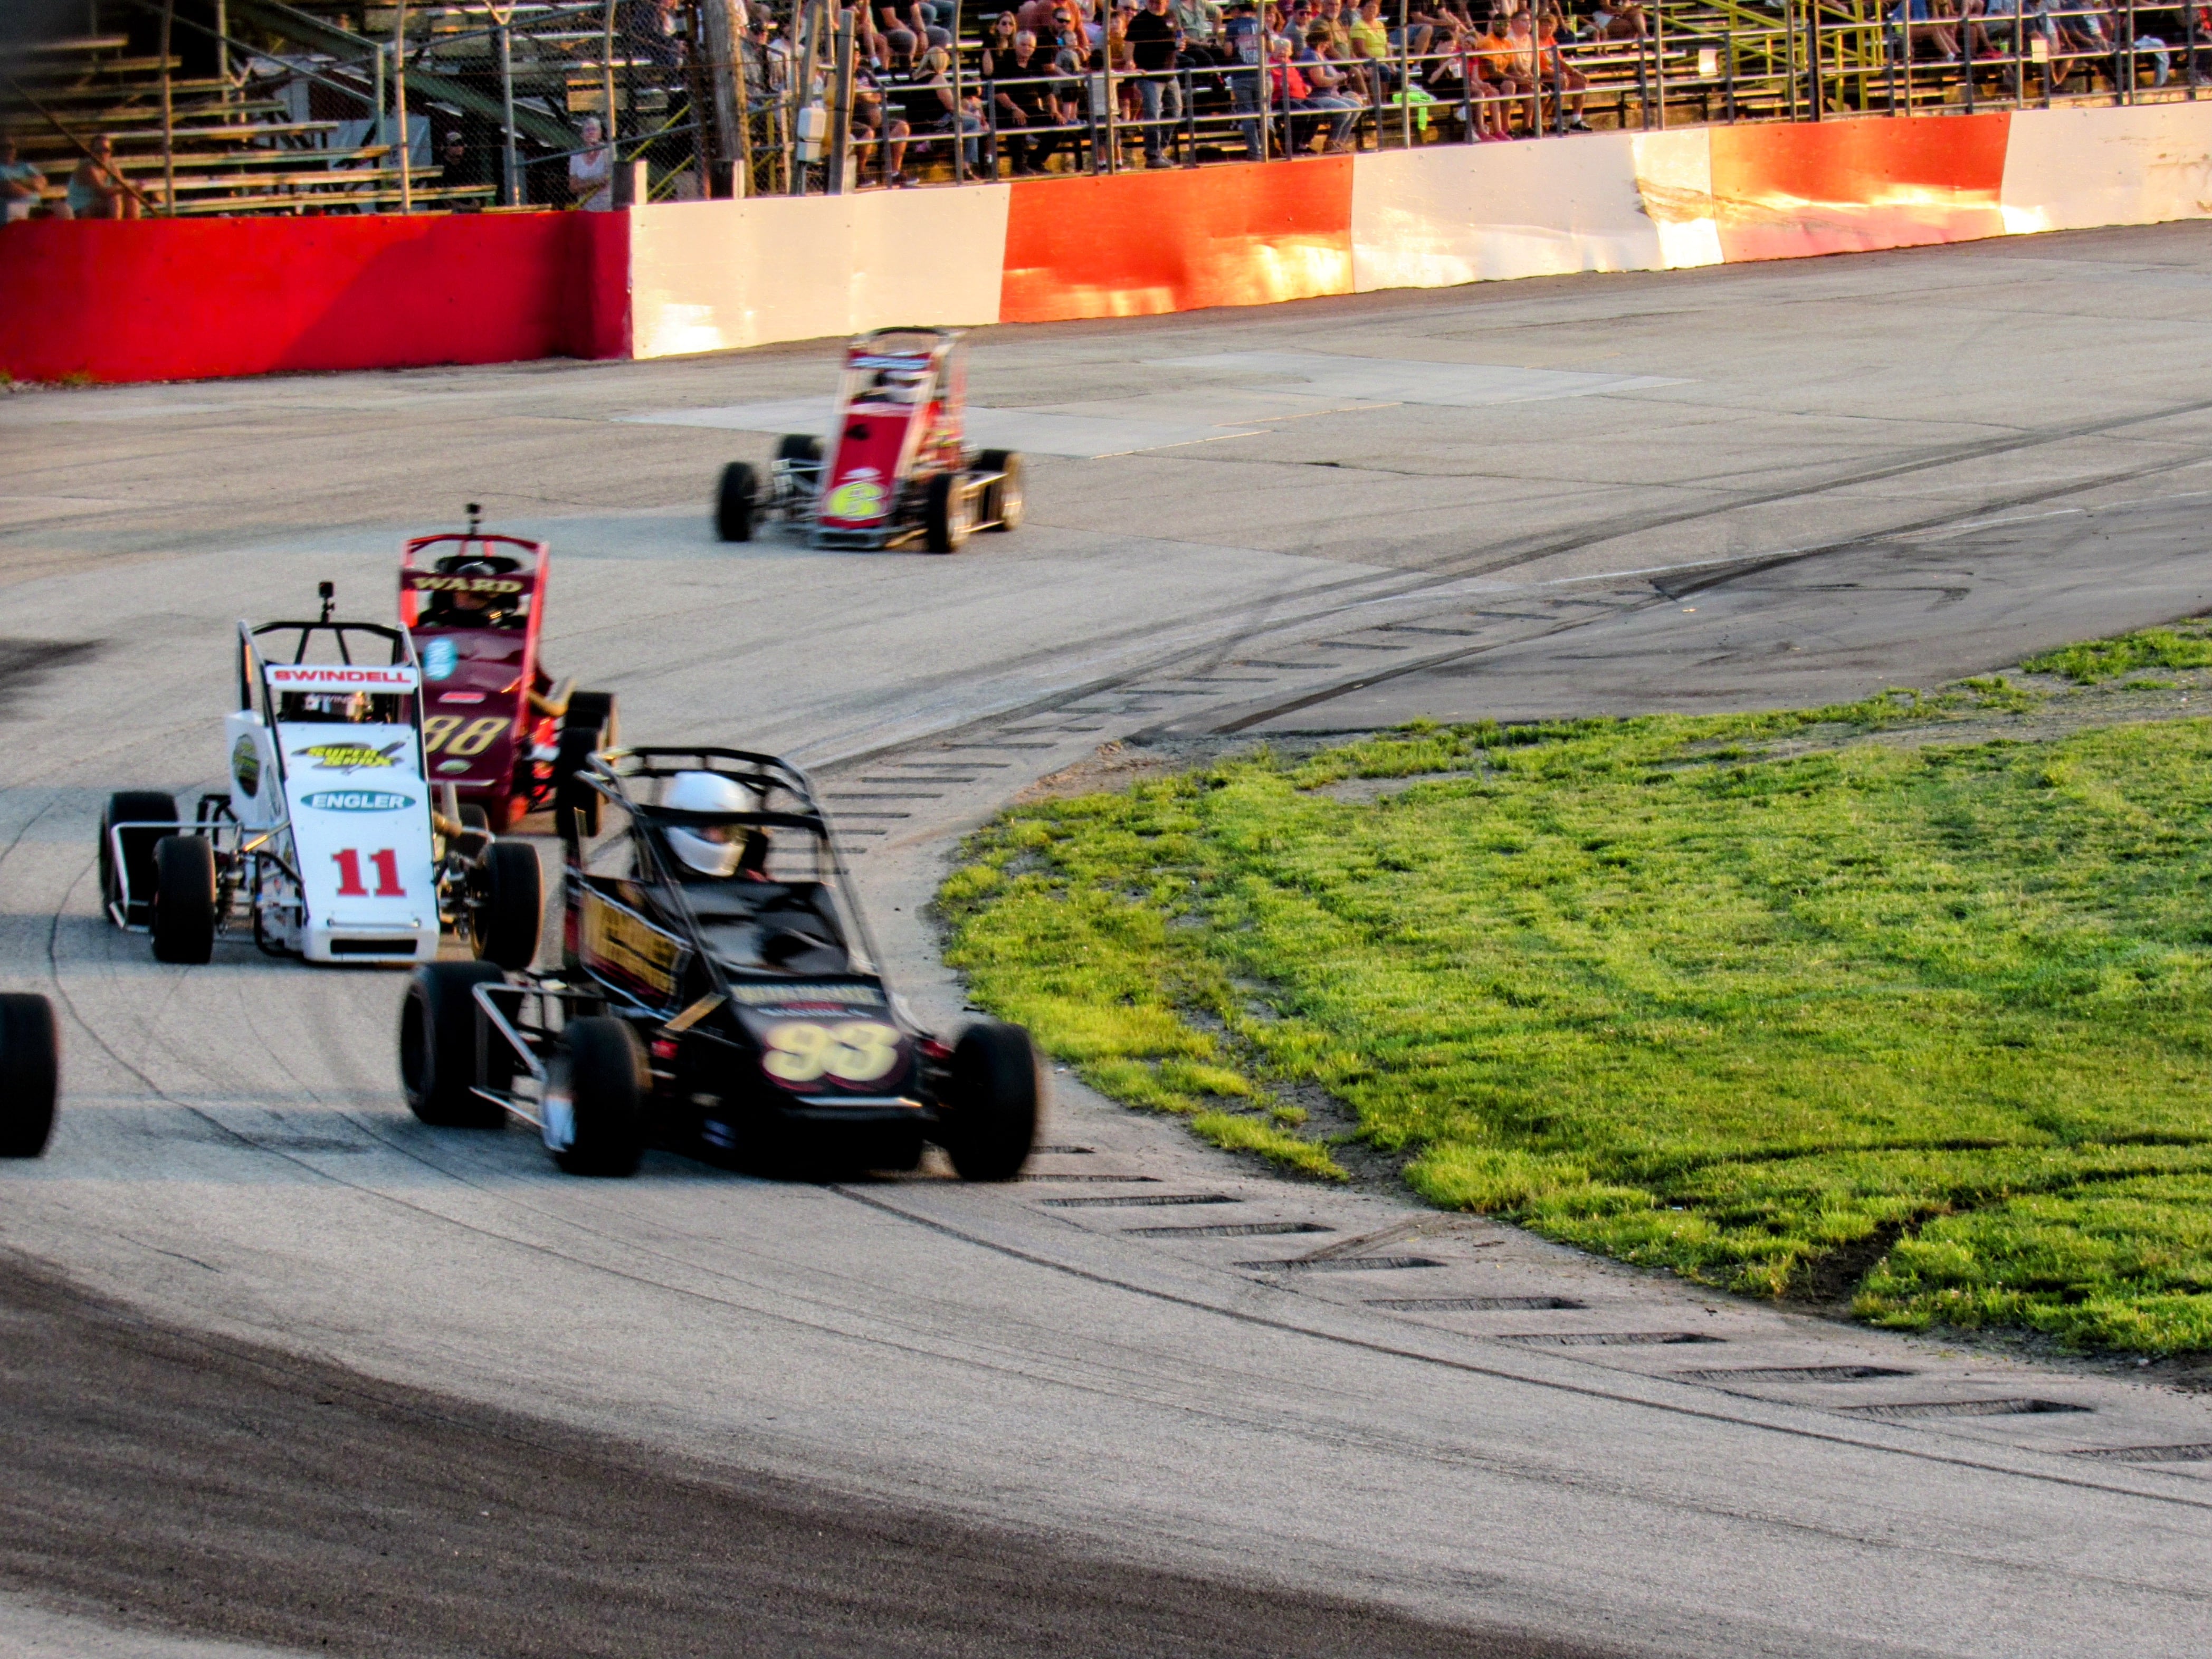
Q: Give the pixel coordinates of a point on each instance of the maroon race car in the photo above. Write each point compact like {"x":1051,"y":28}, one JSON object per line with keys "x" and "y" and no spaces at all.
{"x":495,"y":725}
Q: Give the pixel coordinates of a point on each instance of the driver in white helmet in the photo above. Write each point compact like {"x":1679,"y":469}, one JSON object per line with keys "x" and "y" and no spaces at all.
{"x":717,"y":850}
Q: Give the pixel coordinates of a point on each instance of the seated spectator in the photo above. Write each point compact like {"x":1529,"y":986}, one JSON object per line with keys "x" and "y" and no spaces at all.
{"x":1296,"y":95}
{"x":1371,"y":37}
{"x":1550,"y":71}
{"x":1330,"y":79}
{"x":1923,"y":24}
{"x":20,"y":184}
{"x":1456,"y":81}
{"x":963,"y":114}
{"x":592,"y":170}
{"x":1199,"y":22}
{"x":909,"y":104}
{"x":1618,"y":20}
{"x":97,"y":189}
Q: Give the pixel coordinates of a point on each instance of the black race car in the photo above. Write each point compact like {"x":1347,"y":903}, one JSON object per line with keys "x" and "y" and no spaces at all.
{"x":717,"y":992}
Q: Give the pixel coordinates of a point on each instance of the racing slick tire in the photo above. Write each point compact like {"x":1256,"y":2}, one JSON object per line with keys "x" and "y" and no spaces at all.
{"x":734,"y":504}
{"x":800,"y":447}
{"x":30,"y":1073}
{"x":438,"y":1046}
{"x":587,"y":728}
{"x":183,"y":921}
{"x":1003,"y":500}
{"x":947,"y":511}
{"x":995,"y":1094}
{"x":602,"y":1069}
{"x":510,"y":900}
{"x":475,"y":817}
{"x":133,"y":806}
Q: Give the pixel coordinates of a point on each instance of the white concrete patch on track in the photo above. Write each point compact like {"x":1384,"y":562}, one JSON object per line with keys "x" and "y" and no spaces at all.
{"x":1415,"y":380}
{"x":29,"y":1630}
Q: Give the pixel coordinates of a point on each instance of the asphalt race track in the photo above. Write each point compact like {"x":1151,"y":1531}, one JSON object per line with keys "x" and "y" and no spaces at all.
{"x":285,"y":1369}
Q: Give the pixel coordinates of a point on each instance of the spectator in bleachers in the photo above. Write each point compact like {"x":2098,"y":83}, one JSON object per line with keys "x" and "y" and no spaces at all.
{"x":910,"y":105}
{"x":1618,"y":20}
{"x":1549,"y":70}
{"x":1924,"y":23}
{"x":1297,"y":95}
{"x":592,"y":170}
{"x":20,"y":184}
{"x":1199,"y":22}
{"x":1025,"y":102}
{"x":96,"y":187}
{"x":1241,"y":33}
{"x":1330,"y":82}
{"x":961,"y":112}
{"x":1154,"y":41}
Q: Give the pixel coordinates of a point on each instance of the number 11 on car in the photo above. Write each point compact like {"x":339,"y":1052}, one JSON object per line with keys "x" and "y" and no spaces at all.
{"x":386,"y":862}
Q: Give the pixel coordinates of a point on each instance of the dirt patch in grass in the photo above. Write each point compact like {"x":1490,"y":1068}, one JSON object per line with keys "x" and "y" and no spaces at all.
{"x":1901,"y":1005}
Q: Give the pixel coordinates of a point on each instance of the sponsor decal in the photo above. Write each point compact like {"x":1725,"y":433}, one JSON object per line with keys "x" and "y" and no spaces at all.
{"x":429,"y":584}
{"x":245,"y":765}
{"x":792,"y":996}
{"x":856,"y":498}
{"x":324,"y":677}
{"x":629,"y":949}
{"x":452,"y":769}
{"x":349,"y":757}
{"x":440,"y":658}
{"x":357,"y":800}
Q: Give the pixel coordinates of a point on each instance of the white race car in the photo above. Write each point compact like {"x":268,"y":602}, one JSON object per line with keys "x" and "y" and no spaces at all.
{"x":329,"y":846}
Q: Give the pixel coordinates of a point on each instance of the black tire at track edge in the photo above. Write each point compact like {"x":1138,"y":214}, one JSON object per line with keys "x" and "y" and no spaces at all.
{"x":605,"y":1070}
{"x":996,"y":1097}
{"x":799,"y":447}
{"x":30,"y":1073}
{"x":128,"y":807}
{"x":438,"y":1045}
{"x":183,"y":899}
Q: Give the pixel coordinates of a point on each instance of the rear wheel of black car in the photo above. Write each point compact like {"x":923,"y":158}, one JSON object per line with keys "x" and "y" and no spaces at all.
{"x":30,"y":1073}
{"x":800,"y":447}
{"x":995,"y":1096}
{"x":733,"y":507}
{"x":587,"y":727}
{"x":183,"y":921}
{"x":133,"y":806}
{"x":947,"y":511}
{"x":601,"y":1070}
{"x":438,"y":1046}
{"x":510,"y":899}
{"x":1002,"y":500}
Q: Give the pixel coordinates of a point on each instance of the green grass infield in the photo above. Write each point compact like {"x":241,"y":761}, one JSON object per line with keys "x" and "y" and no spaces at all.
{"x":1904,"y":1002}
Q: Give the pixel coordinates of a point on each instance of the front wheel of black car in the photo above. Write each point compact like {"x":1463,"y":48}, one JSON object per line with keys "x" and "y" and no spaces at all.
{"x":734,"y":506}
{"x":600,"y":1075}
{"x":30,"y":1073}
{"x":587,"y":727}
{"x":1003,"y":500}
{"x":438,"y":1045}
{"x":994,"y":1094}
{"x":947,"y":511}
{"x":510,"y":899}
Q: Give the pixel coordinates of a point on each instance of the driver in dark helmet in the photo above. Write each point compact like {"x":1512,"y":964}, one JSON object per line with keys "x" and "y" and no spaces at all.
{"x":462,"y":608}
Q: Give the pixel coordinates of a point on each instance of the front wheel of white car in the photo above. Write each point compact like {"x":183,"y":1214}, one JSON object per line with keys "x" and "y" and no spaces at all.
{"x":184,"y":918}
{"x":506,"y":904}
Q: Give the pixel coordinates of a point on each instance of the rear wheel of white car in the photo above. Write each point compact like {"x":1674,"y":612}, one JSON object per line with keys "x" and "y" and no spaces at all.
{"x":1003,"y":500}
{"x":734,"y":506}
{"x":438,"y":1046}
{"x":994,"y":1094}
{"x":133,"y":806}
{"x":947,"y":511}
{"x":587,"y":727}
{"x":30,"y":1073}
{"x":183,"y":921}
{"x":510,"y":899}
{"x":600,"y":1073}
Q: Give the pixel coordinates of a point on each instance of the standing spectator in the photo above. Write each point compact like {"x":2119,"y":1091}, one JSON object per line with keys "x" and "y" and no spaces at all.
{"x":592,"y":170}
{"x":20,"y":182}
{"x":1025,"y":102}
{"x":96,"y":188}
{"x":1241,"y":31}
{"x":1155,"y":38}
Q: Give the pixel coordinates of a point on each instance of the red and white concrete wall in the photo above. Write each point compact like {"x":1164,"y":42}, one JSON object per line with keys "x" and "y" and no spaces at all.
{"x":184,"y":300}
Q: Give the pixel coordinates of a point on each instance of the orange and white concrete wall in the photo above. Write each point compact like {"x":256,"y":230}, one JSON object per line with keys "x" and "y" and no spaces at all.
{"x":177,"y":300}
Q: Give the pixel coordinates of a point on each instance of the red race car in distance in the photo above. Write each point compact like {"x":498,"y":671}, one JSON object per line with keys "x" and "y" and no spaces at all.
{"x":895,"y":467}
{"x":495,"y":725}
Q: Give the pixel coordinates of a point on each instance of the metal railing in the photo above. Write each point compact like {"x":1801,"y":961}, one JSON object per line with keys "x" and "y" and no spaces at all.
{"x":818,"y":101}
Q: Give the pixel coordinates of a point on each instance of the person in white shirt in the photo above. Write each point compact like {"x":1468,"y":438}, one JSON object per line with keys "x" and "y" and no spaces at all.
{"x":592,"y":171}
